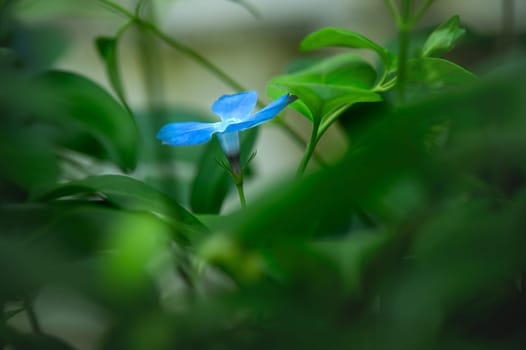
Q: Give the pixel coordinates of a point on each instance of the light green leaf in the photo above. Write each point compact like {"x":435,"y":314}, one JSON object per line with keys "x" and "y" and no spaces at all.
{"x":345,"y":38}
{"x":75,"y":101}
{"x":444,"y":38}
{"x":332,"y":83}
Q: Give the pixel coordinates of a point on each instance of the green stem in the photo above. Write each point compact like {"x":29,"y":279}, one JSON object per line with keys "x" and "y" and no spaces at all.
{"x":241,"y":193}
{"x":404,"y":29}
{"x":330,"y":119}
{"x":299,"y":140}
{"x":394,"y":10}
{"x":311,"y":146}
{"x":175,"y":45}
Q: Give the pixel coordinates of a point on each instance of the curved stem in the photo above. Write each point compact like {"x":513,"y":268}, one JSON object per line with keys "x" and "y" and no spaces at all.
{"x":329,"y":120}
{"x":394,"y":10}
{"x":309,"y":151}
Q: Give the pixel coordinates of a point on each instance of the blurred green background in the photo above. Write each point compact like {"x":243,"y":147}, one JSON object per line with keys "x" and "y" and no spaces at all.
{"x":407,"y":231}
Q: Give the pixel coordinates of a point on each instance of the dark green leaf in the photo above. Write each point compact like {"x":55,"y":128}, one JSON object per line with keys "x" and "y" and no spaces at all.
{"x":328,"y":85}
{"x":345,"y":38}
{"x":444,"y":38}
{"x":130,"y":194}
{"x":73,"y":100}
{"x":23,"y":151}
{"x":107,"y":49}
{"x":212,"y":182}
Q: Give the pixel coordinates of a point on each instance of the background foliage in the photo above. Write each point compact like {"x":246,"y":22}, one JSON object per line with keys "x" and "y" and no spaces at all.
{"x":413,"y":239}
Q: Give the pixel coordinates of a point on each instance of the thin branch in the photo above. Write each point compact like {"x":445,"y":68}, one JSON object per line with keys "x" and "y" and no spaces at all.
{"x":394,"y":10}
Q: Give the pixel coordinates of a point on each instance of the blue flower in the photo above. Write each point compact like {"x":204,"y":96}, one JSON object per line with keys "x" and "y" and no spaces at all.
{"x":235,"y":112}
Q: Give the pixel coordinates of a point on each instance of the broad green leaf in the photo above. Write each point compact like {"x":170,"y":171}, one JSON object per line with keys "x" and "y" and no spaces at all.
{"x":107,"y":49}
{"x":444,"y":38}
{"x":429,"y":75}
{"x":212,"y":182}
{"x":345,"y":38}
{"x":75,"y":101}
{"x":130,"y":194}
{"x":328,"y":85}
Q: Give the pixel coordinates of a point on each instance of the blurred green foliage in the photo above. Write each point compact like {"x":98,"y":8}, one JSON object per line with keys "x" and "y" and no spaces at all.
{"x":414,"y":239}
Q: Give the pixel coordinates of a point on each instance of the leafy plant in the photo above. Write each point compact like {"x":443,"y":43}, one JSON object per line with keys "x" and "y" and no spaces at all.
{"x":412,"y":239}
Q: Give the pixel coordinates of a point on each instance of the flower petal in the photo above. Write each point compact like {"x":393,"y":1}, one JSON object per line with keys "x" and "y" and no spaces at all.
{"x":229,"y":142}
{"x":236,"y":106}
{"x":187,"y":133}
{"x":264,"y":114}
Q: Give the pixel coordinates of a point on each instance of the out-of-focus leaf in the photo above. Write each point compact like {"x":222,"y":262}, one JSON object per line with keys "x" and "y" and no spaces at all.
{"x":428,"y":76}
{"x":23,"y":151}
{"x":131,"y":194}
{"x":37,"y":47}
{"x":444,"y":38}
{"x":345,"y":38}
{"x":76,"y":100}
{"x":212,"y":182}
{"x":326,"y":86}
{"x":67,"y":242}
{"x":352,"y":255}
{"x":107,"y":49}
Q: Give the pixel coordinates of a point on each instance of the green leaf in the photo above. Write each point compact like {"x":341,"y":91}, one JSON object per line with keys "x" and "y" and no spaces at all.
{"x":326,"y":86}
{"x":345,"y":38}
{"x":130,"y":194}
{"x":73,"y":100}
{"x":24,"y":151}
{"x":444,"y":38}
{"x":107,"y":49}
{"x":212,"y":182}
{"x":429,"y":75}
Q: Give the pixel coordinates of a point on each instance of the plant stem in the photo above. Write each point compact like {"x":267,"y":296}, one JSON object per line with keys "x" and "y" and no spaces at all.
{"x":404,"y":29}
{"x":310,"y":149}
{"x":31,"y":315}
{"x":394,"y":10}
{"x":330,"y":119}
{"x":298,"y":138}
{"x":241,"y":193}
